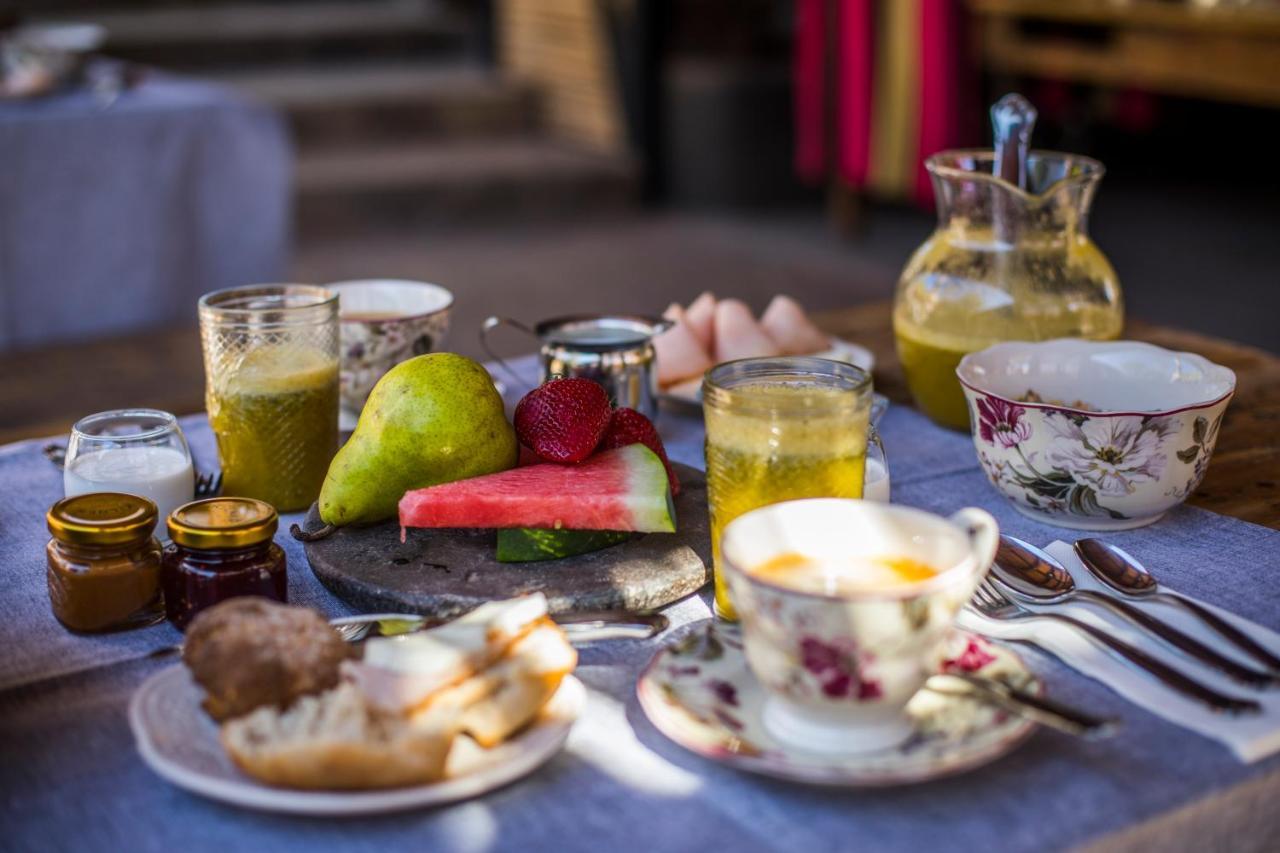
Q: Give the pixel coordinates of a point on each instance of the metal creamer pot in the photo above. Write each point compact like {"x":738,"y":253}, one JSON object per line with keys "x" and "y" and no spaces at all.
{"x":615,"y":350}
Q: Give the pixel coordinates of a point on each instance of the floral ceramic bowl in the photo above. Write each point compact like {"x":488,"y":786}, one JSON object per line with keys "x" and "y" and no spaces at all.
{"x":1094,"y":435}
{"x":384,"y":322}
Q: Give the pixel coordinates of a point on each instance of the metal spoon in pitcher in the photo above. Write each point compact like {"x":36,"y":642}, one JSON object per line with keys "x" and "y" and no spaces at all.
{"x":1034,"y":576}
{"x":1120,"y":571}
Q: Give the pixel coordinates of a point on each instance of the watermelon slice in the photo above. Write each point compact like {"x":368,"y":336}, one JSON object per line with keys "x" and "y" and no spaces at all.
{"x":623,"y":489}
{"x":529,"y":545}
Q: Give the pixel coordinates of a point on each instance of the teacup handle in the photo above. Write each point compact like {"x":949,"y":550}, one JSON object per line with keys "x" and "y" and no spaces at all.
{"x":983,"y":531}
{"x":488,"y":326}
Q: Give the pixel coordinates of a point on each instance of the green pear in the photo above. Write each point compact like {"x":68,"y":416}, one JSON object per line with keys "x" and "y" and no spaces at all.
{"x":432,"y":419}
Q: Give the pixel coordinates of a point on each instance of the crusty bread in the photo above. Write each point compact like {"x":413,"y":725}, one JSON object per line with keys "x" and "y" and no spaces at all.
{"x":336,"y":741}
{"x":493,"y":704}
{"x":508,"y":709}
{"x":488,"y":678}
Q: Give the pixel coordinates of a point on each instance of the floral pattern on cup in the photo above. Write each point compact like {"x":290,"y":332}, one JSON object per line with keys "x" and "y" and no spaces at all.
{"x":1117,"y":467}
{"x":854,"y":654}
{"x":372,"y":347}
{"x":839,"y":669}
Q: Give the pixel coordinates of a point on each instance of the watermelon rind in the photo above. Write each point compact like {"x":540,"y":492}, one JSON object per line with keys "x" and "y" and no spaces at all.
{"x":532,"y":545}
{"x":649,"y":476}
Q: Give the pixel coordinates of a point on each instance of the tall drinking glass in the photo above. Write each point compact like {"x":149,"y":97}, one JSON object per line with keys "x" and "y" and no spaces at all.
{"x":271,"y":389}
{"x":780,"y":429}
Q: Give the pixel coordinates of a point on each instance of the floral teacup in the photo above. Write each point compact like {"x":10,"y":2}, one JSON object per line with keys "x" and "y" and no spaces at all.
{"x":1094,"y":435}
{"x":839,"y":668}
{"x":384,"y":322}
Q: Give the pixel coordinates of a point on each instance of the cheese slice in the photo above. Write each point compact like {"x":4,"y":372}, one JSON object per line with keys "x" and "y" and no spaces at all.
{"x":400,"y":673}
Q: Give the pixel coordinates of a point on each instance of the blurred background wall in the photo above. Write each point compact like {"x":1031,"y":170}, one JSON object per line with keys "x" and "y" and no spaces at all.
{"x":539,"y":156}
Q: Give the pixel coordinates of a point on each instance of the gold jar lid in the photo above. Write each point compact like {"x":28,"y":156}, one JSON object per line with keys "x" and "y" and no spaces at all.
{"x":216,"y":523}
{"x":102,"y":518}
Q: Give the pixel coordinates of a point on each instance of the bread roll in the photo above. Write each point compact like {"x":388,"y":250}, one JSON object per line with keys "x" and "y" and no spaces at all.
{"x":249,"y":652}
{"x":336,"y":741}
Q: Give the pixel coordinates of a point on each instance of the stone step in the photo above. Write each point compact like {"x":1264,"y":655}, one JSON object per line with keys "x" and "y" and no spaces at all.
{"x":350,"y":104}
{"x":457,"y":183}
{"x":201,"y":36}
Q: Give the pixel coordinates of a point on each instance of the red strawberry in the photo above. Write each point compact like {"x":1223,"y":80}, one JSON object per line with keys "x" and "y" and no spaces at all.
{"x":563,"y":420}
{"x":630,"y":427}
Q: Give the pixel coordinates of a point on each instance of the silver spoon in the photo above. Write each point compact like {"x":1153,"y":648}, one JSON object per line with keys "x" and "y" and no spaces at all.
{"x":993,"y":600}
{"x":1034,"y":576}
{"x":1120,"y":571}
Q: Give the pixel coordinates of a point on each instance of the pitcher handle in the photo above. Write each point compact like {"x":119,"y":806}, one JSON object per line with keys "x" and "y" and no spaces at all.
{"x":984,"y":534}
{"x":488,"y":326}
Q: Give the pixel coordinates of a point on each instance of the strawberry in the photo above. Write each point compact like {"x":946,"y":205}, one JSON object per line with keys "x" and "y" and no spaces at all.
{"x":563,"y":420}
{"x":627,"y":426}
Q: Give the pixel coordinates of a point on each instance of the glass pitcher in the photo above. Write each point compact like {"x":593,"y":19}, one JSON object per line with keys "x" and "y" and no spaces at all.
{"x":1005,"y":263}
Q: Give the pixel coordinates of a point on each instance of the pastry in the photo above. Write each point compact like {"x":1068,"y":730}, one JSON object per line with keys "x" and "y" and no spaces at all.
{"x":250,"y":652}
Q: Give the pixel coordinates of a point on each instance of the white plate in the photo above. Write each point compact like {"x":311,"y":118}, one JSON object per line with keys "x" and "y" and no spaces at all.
{"x":690,"y":390}
{"x":700,"y":693}
{"x":179,"y":741}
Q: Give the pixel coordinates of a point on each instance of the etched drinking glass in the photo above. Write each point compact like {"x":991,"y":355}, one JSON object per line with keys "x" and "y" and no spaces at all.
{"x":271,"y":389}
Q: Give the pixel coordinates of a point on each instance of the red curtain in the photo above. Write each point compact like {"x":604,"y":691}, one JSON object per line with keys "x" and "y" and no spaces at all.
{"x":877,"y":89}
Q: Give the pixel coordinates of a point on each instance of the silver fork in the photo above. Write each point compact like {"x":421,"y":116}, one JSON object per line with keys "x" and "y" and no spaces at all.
{"x":990,"y":601}
{"x":207,"y":485}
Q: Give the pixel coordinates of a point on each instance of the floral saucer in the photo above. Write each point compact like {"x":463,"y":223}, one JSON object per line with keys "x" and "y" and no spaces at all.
{"x":700,"y":693}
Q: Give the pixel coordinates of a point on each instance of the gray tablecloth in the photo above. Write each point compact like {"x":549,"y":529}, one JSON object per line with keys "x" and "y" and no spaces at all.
{"x":71,"y":778}
{"x":118,"y":218}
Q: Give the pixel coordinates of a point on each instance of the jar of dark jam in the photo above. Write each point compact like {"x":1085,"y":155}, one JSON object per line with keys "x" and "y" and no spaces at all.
{"x":220,"y":548}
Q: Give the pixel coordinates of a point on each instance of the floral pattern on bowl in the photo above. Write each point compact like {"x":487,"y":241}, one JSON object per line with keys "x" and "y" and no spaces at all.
{"x":1101,"y":467}
{"x":700,"y":692}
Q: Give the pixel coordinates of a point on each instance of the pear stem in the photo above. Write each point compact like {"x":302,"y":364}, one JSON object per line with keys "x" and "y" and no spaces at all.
{"x":313,"y":535}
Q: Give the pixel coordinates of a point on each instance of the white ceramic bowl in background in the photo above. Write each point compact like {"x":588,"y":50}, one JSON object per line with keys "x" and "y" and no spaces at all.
{"x":1120,"y":432}
{"x":384,"y":322}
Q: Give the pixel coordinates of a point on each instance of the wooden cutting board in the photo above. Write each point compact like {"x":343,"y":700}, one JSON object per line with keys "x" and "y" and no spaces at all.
{"x":444,"y":573}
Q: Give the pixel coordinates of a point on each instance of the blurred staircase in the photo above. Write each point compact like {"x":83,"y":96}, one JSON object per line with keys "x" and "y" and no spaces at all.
{"x":398,"y":120}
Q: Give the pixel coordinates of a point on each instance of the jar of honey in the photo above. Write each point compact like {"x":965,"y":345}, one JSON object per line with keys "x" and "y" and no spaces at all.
{"x":220,"y":548}
{"x":103,"y":562}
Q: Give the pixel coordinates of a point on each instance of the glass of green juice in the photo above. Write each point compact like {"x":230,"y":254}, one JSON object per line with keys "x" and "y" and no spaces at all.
{"x":781,"y":429}
{"x":271,"y":389}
